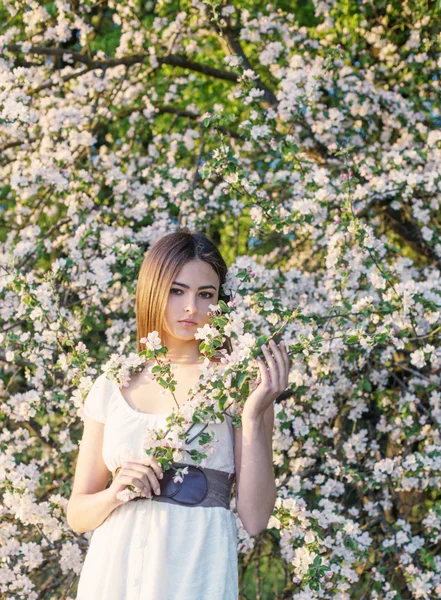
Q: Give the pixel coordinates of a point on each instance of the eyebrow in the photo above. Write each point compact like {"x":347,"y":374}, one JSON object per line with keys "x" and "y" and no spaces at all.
{"x":202,"y":287}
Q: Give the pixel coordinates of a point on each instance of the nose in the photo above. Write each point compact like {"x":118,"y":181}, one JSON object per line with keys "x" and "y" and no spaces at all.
{"x":191,"y":306}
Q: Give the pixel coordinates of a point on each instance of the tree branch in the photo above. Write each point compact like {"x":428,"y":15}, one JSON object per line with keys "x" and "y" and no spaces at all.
{"x":269,"y":96}
{"x":237,"y":49}
{"x":172,"y":60}
{"x":406,"y":228}
{"x":180,"y":112}
{"x":161,"y":109}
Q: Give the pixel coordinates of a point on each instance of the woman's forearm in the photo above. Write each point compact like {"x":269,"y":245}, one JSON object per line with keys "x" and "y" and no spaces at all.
{"x":257,"y":494}
{"x":86,"y":512}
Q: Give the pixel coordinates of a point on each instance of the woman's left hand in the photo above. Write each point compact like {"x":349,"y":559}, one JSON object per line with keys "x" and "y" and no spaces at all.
{"x":273,"y":381}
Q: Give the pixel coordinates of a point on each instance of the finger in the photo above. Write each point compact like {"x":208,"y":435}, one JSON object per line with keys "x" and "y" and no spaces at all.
{"x":146,"y":475}
{"x":143,"y":486}
{"x":265,"y":379}
{"x":272,"y":366}
{"x":137,"y":474}
{"x":255,"y":382}
{"x":286,"y":361}
{"x":149,"y":461}
{"x":280,"y":364}
{"x":136,"y":482}
{"x":152,"y":481}
{"x":155,"y":465}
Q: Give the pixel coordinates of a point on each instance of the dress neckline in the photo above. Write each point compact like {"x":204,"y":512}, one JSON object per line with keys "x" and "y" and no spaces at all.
{"x":135,"y":410}
{"x":142,"y":413}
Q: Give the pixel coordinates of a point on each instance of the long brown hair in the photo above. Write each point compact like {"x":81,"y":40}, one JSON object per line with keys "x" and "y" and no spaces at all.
{"x":160,"y":266}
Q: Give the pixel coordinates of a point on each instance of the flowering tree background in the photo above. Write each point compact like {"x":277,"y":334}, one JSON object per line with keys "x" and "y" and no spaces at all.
{"x":304,"y":138}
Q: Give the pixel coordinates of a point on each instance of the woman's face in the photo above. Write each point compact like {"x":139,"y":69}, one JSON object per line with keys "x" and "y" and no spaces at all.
{"x":195,"y":287}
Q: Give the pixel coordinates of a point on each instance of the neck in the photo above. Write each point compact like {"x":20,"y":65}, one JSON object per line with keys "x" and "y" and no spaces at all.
{"x":183,"y":352}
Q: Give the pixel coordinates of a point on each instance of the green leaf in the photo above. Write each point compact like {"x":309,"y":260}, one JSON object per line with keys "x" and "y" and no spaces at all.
{"x":366,"y":385}
{"x":223,"y":306}
{"x":261,"y":340}
{"x":241,"y":379}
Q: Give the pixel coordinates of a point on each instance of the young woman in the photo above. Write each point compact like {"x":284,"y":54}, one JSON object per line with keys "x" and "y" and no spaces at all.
{"x":157,"y":548}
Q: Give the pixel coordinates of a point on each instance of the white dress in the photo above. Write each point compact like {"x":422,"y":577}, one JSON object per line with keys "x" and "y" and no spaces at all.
{"x":147,"y":550}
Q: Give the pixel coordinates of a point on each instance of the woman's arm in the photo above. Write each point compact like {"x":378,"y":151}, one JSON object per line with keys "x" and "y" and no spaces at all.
{"x":90,"y":503}
{"x":256,"y":490}
{"x":86,"y":512}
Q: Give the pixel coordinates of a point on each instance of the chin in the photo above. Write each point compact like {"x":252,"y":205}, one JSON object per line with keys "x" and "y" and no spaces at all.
{"x":183,"y":336}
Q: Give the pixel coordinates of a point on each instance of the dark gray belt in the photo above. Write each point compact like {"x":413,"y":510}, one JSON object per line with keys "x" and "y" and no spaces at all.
{"x":200,"y":487}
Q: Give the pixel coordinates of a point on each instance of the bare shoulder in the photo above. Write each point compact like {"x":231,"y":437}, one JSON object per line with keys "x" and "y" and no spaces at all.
{"x":137,"y":383}
{"x":142,"y":377}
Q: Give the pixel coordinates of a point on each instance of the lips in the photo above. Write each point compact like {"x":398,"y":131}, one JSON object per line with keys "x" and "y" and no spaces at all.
{"x":188,"y":322}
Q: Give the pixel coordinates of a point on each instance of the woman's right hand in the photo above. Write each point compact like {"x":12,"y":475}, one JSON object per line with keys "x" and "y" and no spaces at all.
{"x":142,"y":473}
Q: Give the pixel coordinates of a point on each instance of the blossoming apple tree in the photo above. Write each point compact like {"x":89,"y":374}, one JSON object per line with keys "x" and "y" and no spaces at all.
{"x":304,"y":138}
